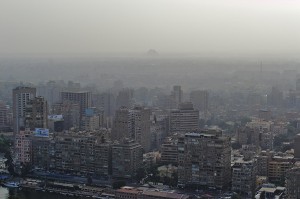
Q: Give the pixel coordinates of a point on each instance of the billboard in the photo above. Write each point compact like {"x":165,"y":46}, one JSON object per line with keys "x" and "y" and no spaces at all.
{"x":89,"y":112}
{"x":55,"y":117}
{"x":41,"y":132}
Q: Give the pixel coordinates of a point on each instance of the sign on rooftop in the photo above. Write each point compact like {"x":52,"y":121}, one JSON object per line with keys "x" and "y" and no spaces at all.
{"x":41,"y":132}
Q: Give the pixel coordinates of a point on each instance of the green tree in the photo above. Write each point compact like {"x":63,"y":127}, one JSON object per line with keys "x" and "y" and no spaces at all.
{"x":118,"y":184}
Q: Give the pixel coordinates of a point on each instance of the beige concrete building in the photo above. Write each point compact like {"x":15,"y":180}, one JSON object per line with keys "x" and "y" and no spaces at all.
{"x":278,"y":167}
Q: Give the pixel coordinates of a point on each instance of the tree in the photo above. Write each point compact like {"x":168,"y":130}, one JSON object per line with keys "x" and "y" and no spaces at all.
{"x":118,"y":184}
{"x":174,"y":179}
{"x":140,"y":174}
{"x":25,"y":169}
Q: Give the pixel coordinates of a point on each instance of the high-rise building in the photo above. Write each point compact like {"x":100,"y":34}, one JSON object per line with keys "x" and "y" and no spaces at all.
{"x":127,"y":158}
{"x":21,"y":96}
{"x":133,"y":124}
{"x":278,"y":167}
{"x":158,"y":131}
{"x":3,"y":116}
{"x":293,"y":183}
{"x":184,"y":119}
{"x":199,"y":99}
{"x":263,"y":162}
{"x":83,"y":153}
{"x":140,"y":126}
{"x":297,"y":146}
{"x":92,"y":119}
{"x":105,"y":102}
{"x":124,"y":98}
{"x":43,"y":152}
{"x":22,"y":149}
{"x":50,"y":91}
{"x":204,"y":158}
{"x":177,"y":95}
{"x":70,"y":112}
{"x":244,"y":177}
{"x":169,"y":152}
{"x":121,"y":125}
{"x":36,"y":113}
{"x":82,"y":98}
{"x":275,"y":98}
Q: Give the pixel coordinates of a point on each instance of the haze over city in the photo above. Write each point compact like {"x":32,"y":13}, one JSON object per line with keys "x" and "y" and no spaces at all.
{"x":171,"y":26}
{"x":160,"y":99}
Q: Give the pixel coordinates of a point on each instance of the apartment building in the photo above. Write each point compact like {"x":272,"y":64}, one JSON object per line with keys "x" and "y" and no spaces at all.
{"x":204,"y":158}
{"x":244,"y":177}
{"x":184,"y":119}
{"x":127,"y":158}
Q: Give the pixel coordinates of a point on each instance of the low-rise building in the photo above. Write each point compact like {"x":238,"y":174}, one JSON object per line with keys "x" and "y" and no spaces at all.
{"x":145,"y":193}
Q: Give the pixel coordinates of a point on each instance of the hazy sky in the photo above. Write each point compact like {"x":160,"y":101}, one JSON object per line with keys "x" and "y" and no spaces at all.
{"x":195,"y":26}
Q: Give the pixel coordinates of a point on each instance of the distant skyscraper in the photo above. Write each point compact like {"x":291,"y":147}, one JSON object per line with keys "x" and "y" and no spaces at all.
{"x":199,"y":99}
{"x":106,"y":102}
{"x":124,"y":98}
{"x":21,"y":96}
{"x":84,"y":99}
{"x":36,"y":113}
{"x":50,"y":91}
{"x":177,"y":95}
{"x":275,"y":98}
